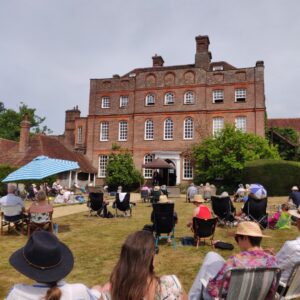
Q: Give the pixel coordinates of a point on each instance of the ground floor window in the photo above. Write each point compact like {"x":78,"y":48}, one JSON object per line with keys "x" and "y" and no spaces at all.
{"x":187,"y":169}
{"x":103,"y":159}
{"x":148,"y":173}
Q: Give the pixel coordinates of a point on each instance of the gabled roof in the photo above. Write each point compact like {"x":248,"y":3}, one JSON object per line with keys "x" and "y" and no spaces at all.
{"x":43,"y":145}
{"x":290,"y":123}
{"x":6,"y":145}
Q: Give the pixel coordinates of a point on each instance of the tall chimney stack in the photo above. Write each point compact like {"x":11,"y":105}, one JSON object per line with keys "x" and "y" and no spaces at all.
{"x":24,"y":134}
{"x":157,"y":61}
{"x":203,"y":56}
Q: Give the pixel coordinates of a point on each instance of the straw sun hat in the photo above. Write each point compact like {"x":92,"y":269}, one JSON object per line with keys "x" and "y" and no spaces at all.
{"x":198,"y":199}
{"x":163,"y":199}
{"x":250,"y":229}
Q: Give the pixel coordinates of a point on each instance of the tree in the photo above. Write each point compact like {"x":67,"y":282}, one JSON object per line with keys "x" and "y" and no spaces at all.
{"x":120,"y":170}
{"x":287,"y":141}
{"x":224,"y":156}
{"x":10,"y":121}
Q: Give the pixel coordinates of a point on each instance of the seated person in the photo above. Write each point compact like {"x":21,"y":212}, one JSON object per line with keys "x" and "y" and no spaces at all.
{"x":294,"y":196}
{"x":12,"y":204}
{"x":281,"y":219}
{"x":201,"y":211}
{"x":207,"y":192}
{"x":191,"y":192}
{"x":40,"y":210}
{"x":240,"y":193}
{"x":248,"y":237}
{"x":289,"y":254}
{"x":155,"y":193}
{"x":133,"y":276}
{"x":164,"y":190}
{"x":41,"y":260}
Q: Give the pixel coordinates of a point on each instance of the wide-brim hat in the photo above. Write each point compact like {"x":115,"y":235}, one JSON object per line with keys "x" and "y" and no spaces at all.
{"x":163,"y":199}
{"x":295,"y":212}
{"x":198,"y":199}
{"x":156,"y":188}
{"x":224,"y":195}
{"x":249,"y":228}
{"x":295,"y":188}
{"x":44,"y":258}
{"x":257,"y":191}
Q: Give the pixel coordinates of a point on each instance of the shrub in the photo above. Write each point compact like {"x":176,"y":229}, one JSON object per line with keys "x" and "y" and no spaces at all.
{"x":4,"y":171}
{"x":277,"y":176}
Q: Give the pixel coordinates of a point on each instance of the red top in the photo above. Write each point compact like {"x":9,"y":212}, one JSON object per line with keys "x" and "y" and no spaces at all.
{"x":204,"y":212}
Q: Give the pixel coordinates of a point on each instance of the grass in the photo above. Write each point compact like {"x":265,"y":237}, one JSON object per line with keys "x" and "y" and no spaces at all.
{"x":96,"y":244}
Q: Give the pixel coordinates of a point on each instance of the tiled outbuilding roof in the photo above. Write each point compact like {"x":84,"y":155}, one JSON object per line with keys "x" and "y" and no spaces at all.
{"x":290,"y":123}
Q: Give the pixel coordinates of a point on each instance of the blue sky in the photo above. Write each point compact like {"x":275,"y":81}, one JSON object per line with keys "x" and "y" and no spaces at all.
{"x":51,"y":48}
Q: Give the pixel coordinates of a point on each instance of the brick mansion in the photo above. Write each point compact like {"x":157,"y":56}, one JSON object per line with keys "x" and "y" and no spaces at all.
{"x":162,"y":111}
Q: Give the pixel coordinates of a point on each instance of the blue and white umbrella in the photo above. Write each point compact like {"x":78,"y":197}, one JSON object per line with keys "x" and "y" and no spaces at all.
{"x":258,"y":191}
{"x":41,"y":167}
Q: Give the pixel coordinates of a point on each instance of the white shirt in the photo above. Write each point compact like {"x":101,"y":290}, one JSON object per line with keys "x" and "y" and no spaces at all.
{"x":288,"y":255}
{"x":38,"y":291}
{"x":12,"y":200}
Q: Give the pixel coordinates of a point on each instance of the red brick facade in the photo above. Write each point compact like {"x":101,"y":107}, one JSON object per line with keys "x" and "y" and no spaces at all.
{"x":201,"y":78}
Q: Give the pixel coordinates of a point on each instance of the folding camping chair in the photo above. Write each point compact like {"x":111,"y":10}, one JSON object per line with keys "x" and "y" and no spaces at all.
{"x":164,"y":222}
{"x":123,"y":204}
{"x":256,"y":210}
{"x":12,"y":217}
{"x":96,"y":204}
{"x":204,"y":228}
{"x":223,"y":209}
{"x":249,"y":283}
{"x":292,"y":288}
{"x":45,"y":224}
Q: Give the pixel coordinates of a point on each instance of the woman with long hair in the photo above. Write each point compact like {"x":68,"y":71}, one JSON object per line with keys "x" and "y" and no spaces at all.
{"x":133,"y":277}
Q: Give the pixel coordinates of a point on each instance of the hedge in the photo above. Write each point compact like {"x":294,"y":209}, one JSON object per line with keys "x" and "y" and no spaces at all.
{"x":277,"y":176}
{"x":4,"y":171}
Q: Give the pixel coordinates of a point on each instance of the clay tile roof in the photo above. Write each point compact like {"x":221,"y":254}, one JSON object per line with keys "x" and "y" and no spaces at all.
{"x":45,"y":145}
{"x":290,"y":123}
{"x":6,"y":145}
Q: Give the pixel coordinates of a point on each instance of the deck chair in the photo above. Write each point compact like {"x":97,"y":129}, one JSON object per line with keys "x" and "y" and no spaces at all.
{"x":18,"y":220}
{"x":145,"y":195}
{"x":292,"y":287}
{"x":96,"y":204}
{"x":124,"y":205}
{"x":45,"y":224}
{"x":250,"y":283}
{"x":204,"y":228}
{"x":163,"y":222}
{"x":256,"y":210}
{"x":223,"y":209}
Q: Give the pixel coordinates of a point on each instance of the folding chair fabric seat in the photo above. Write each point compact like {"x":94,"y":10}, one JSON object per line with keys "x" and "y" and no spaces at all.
{"x":12,"y":214}
{"x":256,"y":210}
{"x":204,"y":228}
{"x":45,"y":224}
{"x":95,"y":203}
{"x":223,"y":208}
{"x":292,"y":289}
{"x":124,"y":205}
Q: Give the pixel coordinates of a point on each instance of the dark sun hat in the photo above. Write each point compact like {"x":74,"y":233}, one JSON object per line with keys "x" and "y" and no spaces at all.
{"x":44,"y":258}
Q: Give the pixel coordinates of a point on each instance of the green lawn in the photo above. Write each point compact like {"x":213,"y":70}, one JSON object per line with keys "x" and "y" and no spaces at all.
{"x":96,"y":243}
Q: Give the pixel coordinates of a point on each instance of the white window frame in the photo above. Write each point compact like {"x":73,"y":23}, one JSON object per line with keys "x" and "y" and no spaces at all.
{"x":218,"y":68}
{"x":123,"y":131}
{"x":240,"y":95}
{"x":188,"y":129}
{"x":168,"y":130}
{"x":189,"y":97}
{"x":218,"y":96}
{"x":104,"y":131}
{"x":169,"y":98}
{"x":188,"y":172}
{"x":79,"y":135}
{"x":149,"y":130}
{"x":148,"y":98}
{"x":218,"y":125}
{"x":105,"y":102}
{"x":241,"y":123}
{"x":124,"y":101}
{"x":148,"y":173}
{"x":103,"y":160}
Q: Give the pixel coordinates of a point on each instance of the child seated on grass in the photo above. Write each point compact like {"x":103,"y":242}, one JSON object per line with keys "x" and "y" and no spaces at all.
{"x":281,"y":219}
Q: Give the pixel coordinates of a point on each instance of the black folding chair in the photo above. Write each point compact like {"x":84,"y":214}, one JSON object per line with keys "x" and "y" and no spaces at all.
{"x":124,"y":205}
{"x":204,"y":228}
{"x":164,"y":222}
{"x":223,"y":209}
{"x":256,"y":210}
{"x":96,"y":204}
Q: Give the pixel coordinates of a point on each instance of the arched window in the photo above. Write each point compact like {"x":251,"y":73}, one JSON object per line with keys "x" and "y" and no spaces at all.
{"x":189,"y":97}
{"x":150,"y":100}
{"x":169,"y":98}
{"x":147,"y":159}
{"x":168,"y":129}
{"x":241,"y":124}
{"x":188,"y":129}
{"x":218,"y":125}
{"x":149,"y":130}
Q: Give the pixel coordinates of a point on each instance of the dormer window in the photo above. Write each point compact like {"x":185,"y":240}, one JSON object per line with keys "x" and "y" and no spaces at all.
{"x":218,"y":68}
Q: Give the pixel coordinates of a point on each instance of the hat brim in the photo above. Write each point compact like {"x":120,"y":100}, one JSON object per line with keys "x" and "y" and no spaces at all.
{"x":294,"y":213}
{"x":54,"y":274}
